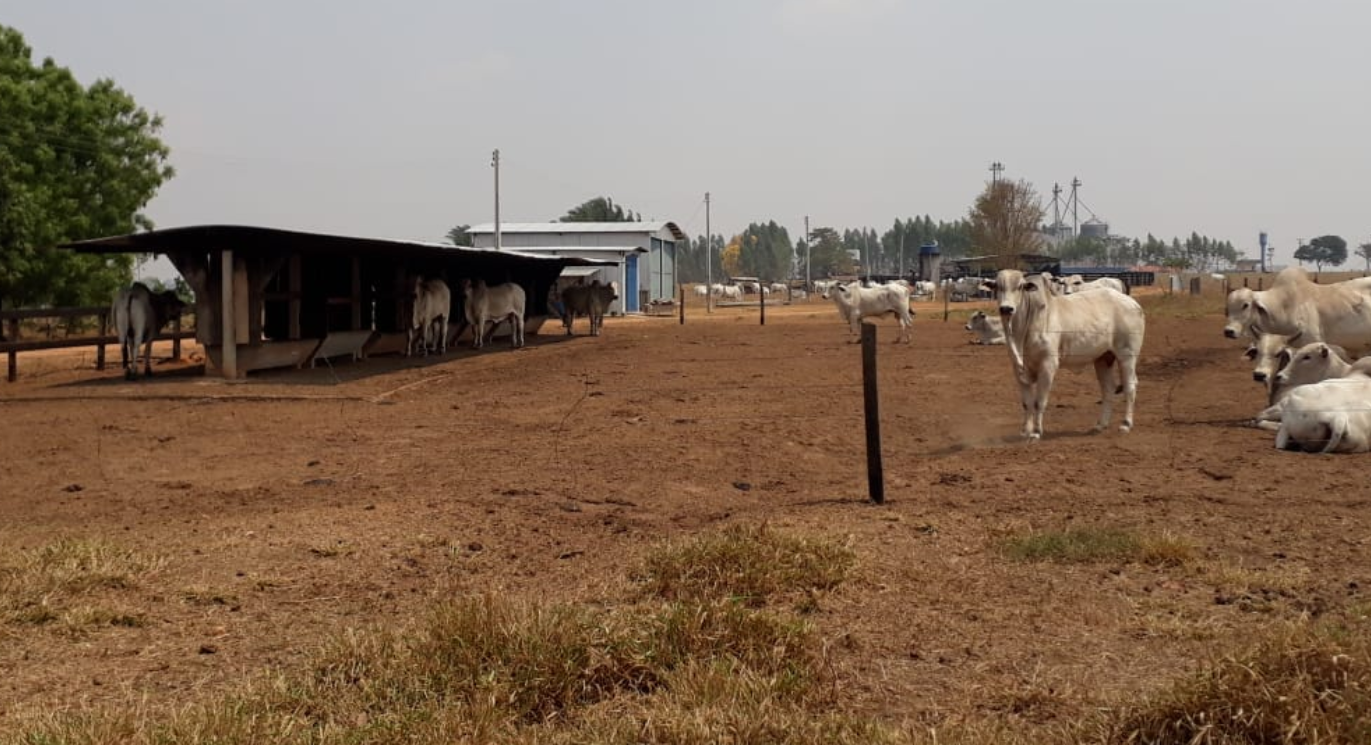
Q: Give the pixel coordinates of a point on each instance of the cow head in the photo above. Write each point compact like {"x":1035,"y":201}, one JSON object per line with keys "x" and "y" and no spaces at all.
{"x":1310,"y":363}
{"x":838,"y":289}
{"x":1245,"y":312}
{"x":1270,"y":352}
{"x":1013,"y":290}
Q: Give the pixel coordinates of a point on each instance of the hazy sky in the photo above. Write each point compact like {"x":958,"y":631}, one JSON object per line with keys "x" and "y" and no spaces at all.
{"x":1221,"y":116}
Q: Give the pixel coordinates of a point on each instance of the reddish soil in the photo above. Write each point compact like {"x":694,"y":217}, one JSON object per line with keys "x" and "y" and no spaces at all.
{"x":312,"y":501}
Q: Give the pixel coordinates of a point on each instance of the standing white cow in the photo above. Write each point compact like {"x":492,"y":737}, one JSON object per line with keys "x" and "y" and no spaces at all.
{"x":1074,"y":284}
{"x":491,"y":305}
{"x":779,"y":288}
{"x":926,"y":289}
{"x":1045,"y":332}
{"x":731,"y":292}
{"x":855,"y":302}
{"x":701,"y":291}
{"x":1339,"y":313}
{"x":431,"y":304}
{"x":139,"y":315}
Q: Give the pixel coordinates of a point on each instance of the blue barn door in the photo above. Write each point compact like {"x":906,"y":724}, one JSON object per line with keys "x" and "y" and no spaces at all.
{"x":631,"y":292}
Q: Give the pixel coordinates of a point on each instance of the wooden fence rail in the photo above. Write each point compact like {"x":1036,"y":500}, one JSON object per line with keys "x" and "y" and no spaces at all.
{"x":13,"y":344}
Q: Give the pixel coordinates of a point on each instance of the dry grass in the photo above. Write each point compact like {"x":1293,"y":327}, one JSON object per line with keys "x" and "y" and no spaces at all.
{"x":749,"y":565}
{"x":1084,"y":545}
{"x":66,"y":583}
{"x":702,"y":669}
{"x":1300,"y":685}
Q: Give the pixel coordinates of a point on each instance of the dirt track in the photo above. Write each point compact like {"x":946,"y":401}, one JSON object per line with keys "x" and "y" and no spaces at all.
{"x":307,"y":502}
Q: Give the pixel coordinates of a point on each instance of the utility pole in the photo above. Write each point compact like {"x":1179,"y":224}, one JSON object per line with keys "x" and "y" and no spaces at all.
{"x":901,"y":251}
{"x":995,"y":169}
{"x":809,"y":273}
{"x":709,"y":260}
{"x":495,"y":163}
{"x":1075,"y":205}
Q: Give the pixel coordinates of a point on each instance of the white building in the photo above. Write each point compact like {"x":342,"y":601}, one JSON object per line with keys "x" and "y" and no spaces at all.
{"x":644,"y":251}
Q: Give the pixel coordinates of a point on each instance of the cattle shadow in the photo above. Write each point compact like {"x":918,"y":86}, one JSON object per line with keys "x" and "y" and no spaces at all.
{"x":1008,"y":441}
{"x":324,"y":373}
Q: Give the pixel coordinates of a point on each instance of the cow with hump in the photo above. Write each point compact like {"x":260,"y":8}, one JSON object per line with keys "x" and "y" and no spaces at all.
{"x":1045,"y":332}
{"x":590,"y":300}
{"x":431,"y":304}
{"x":1338,"y":313}
{"x":489,"y":305}
{"x":139,"y":315}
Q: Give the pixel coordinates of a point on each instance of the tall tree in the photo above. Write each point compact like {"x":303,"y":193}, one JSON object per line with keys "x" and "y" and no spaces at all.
{"x":1326,"y":249}
{"x":1005,"y":220}
{"x":1364,"y":251}
{"x":75,"y":162}
{"x":458,"y":235}
{"x":599,"y":209}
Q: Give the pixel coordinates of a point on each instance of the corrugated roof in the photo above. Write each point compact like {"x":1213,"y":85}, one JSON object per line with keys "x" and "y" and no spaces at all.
{"x":580,"y":271}
{"x":541,"y":250}
{"x":581,"y":227}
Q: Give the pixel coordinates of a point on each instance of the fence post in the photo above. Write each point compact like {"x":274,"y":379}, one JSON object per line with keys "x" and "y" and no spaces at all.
{"x":100,"y":348}
{"x":875,"y":478}
{"x":761,"y":292}
{"x":1259,"y":284}
{"x":13,"y":373}
{"x":947,"y":298}
{"x":176,"y":340}
{"x":683,"y":296}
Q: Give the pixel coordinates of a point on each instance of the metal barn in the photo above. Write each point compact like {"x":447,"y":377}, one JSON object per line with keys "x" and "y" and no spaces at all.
{"x":645,"y":252}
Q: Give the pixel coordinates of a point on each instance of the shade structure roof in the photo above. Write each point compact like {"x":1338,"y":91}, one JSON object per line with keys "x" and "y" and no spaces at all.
{"x":648,"y":226}
{"x":263,"y":241}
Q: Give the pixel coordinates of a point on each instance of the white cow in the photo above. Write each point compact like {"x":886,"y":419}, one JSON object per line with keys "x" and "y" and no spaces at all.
{"x":1310,"y":364}
{"x":1045,"y":331}
{"x":431,"y":309}
{"x":1338,"y":313}
{"x":988,"y":330}
{"x":1270,"y":352}
{"x":701,"y":291}
{"x":927,"y":289}
{"x":591,"y":301}
{"x":1329,"y":417}
{"x":491,"y":305}
{"x":779,"y":288}
{"x":731,"y":292}
{"x":139,"y":315}
{"x":821,"y":286}
{"x":855,"y":302}
{"x":1074,"y":284}
{"x":716,"y":289}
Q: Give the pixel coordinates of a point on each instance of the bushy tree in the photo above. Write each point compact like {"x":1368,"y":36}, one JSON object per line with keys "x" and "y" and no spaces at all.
{"x":459,"y":235}
{"x":599,"y":209}
{"x":1326,"y":249}
{"x":1005,"y":221}
{"x":75,"y":162}
{"x":1364,"y":251}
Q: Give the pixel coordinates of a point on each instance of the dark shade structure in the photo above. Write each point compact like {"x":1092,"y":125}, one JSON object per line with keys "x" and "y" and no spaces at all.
{"x":286,"y":297}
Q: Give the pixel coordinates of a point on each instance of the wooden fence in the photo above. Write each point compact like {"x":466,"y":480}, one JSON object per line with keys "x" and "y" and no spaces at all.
{"x":13,"y":344}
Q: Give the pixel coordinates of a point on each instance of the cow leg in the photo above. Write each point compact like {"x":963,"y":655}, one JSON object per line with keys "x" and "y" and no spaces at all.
{"x":516,"y":329}
{"x":1337,"y":427}
{"x":1104,"y":368}
{"x":1128,"y":370}
{"x":1041,"y":388}
{"x":442,"y":340}
{"x":855,"y":321}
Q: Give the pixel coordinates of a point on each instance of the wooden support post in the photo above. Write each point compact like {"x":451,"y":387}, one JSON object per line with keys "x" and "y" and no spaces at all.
{"x":356,"y":293}
{"x":1259,"y":284}
{"x":293,"y":305}
{"x":13,"y":335}
{"x":875,"y":478}
{"x":175,"y":342}
{"x":947,"y":298}
{"x":682,"y":305}
{"x":761,"y":293}
{"x":228,"y":353}
{"x":1244,"y":281}
{"x":100,"y":348}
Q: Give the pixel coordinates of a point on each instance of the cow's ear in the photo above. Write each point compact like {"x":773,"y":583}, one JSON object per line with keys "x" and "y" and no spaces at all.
{"x":1285,"y":356}
{"x":1262,"y":312}
{"x":1323,"y":351}
{"x":1251,"y":353}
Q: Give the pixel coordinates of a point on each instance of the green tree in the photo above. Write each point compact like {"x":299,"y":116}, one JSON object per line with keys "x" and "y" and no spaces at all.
{"x":599,"y":209}
{"x":458,"y":235}
{"x":828,"y":255}
{"x":75,"y":162}
{"x":1326,"y":249}
{"x":1364,"y":251}
{"x":1005,"y":220}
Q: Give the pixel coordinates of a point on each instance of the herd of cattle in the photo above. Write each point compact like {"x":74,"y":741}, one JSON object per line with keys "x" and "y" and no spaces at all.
{"x":1299,"y":333}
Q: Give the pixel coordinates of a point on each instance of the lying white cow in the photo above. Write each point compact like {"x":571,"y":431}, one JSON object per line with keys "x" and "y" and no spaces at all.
{"x":1270,"y":352}
{"x":1074,"y":284}
{"x":431,"y":303}
{"x":139,"y":315}
{"x":491,"y":305}
{"x":1045,"y":331}
{"x":988,"y":330}
{"x":855,"y":302}
{"x":1338,"y":313}
{"x":1310,"y":364}
{"x":1329,"y":417}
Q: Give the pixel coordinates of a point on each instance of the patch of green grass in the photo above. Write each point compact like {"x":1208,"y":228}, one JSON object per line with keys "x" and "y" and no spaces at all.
{"x":41,"y":586}
{"x":749,"y":565}
{"x":1298,"y":685}
{"x":1085,"y":545}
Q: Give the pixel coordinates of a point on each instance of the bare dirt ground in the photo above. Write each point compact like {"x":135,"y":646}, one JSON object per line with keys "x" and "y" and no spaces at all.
{"x":294,"y":505}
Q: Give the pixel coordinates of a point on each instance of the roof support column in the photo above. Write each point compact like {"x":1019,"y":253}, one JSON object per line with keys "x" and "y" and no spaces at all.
{"x":228,"y":351}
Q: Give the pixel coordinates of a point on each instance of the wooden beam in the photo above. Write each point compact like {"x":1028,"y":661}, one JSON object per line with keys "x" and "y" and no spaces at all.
{"x":293,"y":309}
{"x":229,"y":349}
{"x":356,"y":293}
